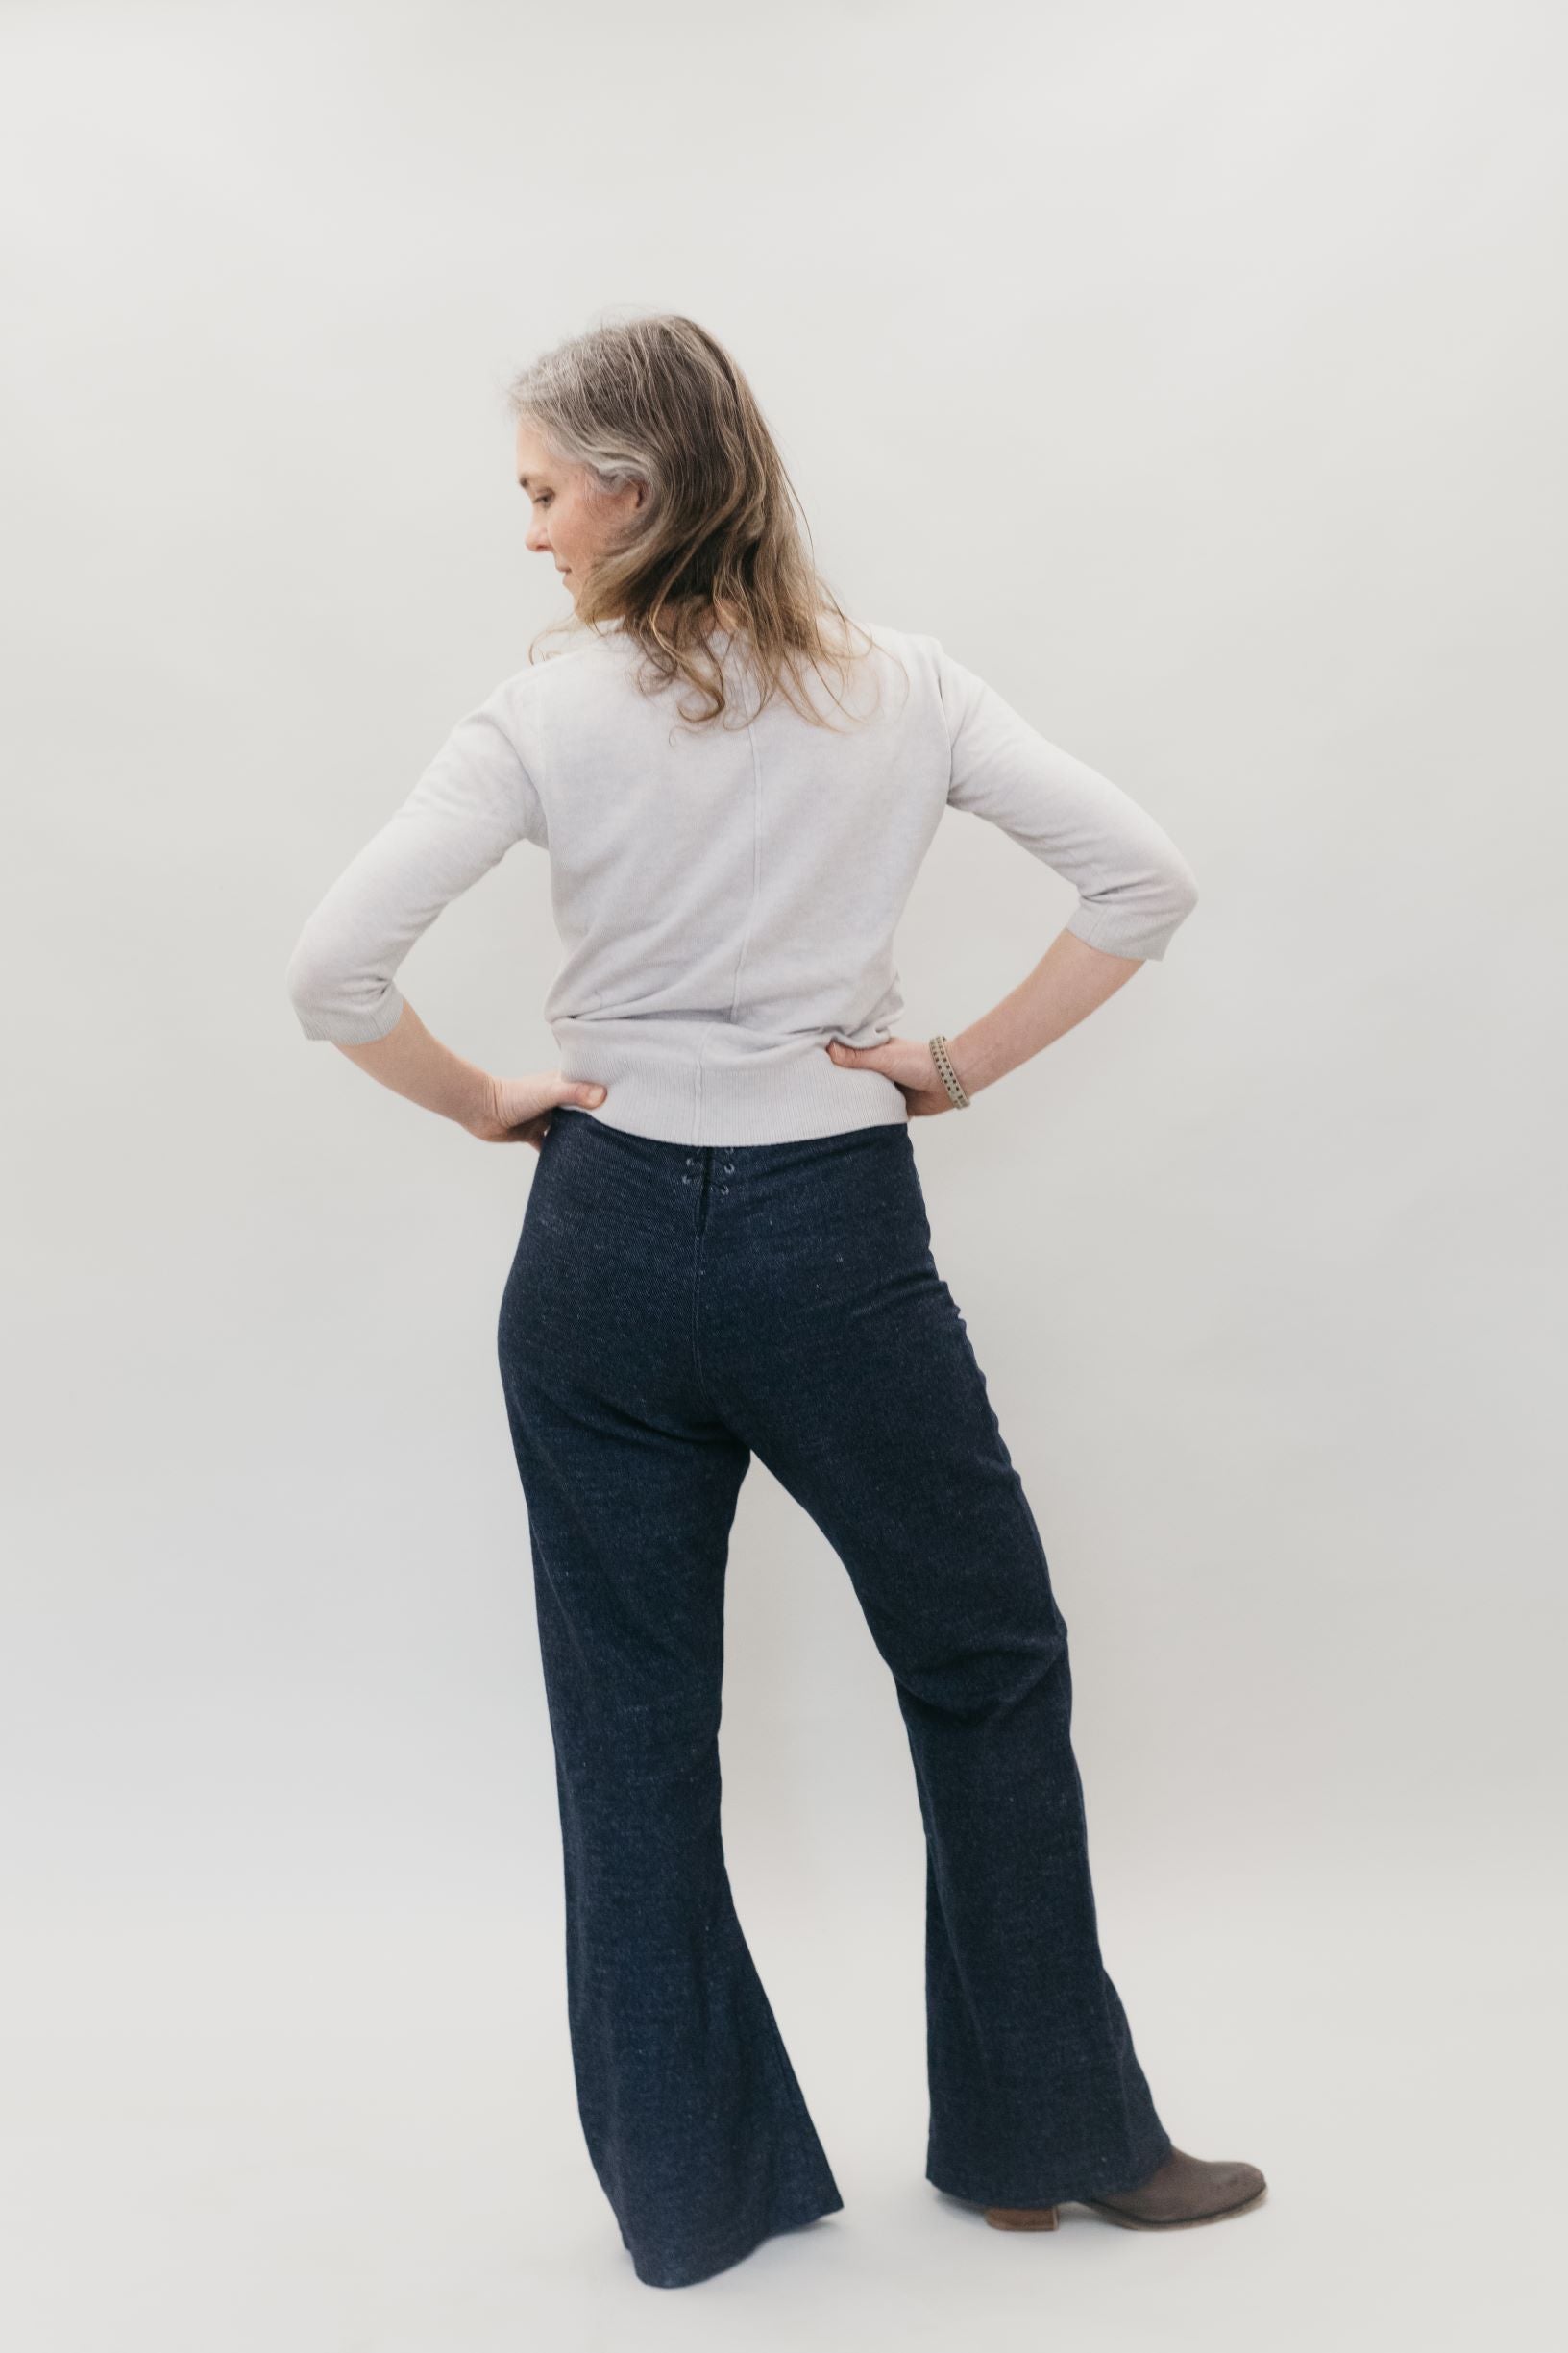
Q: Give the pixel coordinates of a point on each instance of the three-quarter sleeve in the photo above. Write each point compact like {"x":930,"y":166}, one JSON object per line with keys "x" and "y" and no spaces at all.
{"x":474,"y":800}
{"x":1134,"y":885}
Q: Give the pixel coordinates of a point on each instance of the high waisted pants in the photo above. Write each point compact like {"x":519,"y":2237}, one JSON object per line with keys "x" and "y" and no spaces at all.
{"x":671,"y":1312}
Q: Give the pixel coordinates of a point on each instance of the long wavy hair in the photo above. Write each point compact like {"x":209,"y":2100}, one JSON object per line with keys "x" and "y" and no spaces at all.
{"x":658,"y":399}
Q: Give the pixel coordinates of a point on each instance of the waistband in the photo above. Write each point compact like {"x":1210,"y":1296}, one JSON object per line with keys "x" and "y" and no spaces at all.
{"x":694,"y":1084}
{"x":804,"y":1193}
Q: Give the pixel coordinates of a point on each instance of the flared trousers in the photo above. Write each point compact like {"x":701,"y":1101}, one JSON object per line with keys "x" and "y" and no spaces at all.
{"x":671,"y":1312}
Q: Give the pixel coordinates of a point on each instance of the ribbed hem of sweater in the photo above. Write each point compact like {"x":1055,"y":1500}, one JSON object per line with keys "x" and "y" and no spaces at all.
{"x":683,"y":1091}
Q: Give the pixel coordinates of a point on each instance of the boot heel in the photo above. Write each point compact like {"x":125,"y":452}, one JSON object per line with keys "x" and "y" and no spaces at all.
{"x":1022,"y":2217}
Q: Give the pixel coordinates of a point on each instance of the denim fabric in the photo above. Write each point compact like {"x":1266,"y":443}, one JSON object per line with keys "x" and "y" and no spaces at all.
{"x":671,"y":1312}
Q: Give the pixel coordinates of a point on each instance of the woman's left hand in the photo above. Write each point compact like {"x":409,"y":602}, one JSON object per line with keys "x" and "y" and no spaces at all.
{"x":519,"y":1109}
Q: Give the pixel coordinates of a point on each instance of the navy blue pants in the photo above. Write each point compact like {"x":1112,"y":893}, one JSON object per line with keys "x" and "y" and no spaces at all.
{"x":671,"y":1312}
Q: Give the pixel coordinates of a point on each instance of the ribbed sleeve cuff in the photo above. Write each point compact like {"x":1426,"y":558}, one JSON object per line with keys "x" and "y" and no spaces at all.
{"x":340,"y":1028}
{"x":1135,"y":933}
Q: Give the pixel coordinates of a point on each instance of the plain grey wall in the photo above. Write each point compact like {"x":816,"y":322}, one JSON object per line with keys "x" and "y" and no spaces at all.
{"x":1196,"y":374}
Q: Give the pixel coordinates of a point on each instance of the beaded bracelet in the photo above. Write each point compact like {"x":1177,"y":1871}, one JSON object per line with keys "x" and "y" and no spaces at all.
{"x":947,"y":1074}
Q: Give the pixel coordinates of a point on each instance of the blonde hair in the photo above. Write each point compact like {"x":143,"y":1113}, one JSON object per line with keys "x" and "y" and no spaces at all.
{"x":657,"y":398}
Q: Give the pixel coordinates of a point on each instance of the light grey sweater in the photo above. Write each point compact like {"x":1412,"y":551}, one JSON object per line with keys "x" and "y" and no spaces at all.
{"x":727,"y":901}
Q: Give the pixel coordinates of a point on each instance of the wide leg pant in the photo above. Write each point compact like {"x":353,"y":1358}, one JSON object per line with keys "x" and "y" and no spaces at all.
{"x":672,"y":1310}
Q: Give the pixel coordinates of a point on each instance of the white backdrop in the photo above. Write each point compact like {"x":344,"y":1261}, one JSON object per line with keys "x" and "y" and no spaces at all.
{"x":1196,"y":374}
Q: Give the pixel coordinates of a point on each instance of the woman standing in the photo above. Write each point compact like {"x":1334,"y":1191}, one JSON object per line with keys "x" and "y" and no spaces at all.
{"x":725,"y":1253}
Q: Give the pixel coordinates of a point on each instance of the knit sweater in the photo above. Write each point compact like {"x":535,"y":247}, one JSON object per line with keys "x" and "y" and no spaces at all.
{"x":727,"y":897}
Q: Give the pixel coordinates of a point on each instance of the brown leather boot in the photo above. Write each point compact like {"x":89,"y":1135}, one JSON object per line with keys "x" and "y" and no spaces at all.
{"x":1180,"y":2192}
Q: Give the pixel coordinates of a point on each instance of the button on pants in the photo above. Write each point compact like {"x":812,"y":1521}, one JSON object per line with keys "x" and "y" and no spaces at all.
{"x":671,"y":1312}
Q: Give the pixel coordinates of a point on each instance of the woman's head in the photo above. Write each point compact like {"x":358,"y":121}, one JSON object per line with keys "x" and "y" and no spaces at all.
{"x":658,"y":492}
{"x":576,"y":519}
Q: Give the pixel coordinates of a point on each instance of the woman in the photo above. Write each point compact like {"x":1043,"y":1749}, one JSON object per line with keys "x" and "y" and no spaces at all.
{"x":725,"y":1252}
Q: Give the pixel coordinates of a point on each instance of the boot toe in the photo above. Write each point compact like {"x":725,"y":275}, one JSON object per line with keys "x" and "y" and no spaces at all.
{"x":1227,"y":2182}
{"x":1187,"y":2189}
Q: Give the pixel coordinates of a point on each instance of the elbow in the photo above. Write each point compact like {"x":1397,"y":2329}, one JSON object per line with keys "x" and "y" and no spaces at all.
{"x":323,"y":992}
{"x":1178,"y":896}
{"x":1183,"y":885}
{"x":1139,"y":920}
{"x":1172,"y":894}
{"x":312,"y":986}
{"x":345,"y":1004}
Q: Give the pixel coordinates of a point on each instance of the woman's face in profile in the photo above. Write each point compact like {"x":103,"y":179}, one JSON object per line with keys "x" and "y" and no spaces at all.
{"x":569,"y":523}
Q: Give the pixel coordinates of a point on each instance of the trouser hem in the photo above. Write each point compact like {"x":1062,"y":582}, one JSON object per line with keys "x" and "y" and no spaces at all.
{"x":690,"y":2273}
{"x":1067,"y":2189}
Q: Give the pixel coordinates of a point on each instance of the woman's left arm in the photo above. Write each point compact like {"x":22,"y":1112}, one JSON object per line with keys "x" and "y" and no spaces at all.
{"x":474,"y":800}
{"x":413,"y":1063}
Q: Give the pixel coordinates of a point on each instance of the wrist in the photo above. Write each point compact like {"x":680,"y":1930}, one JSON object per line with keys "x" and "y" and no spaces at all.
{"x":971,"y":1062}
{"x":476,"y":1108}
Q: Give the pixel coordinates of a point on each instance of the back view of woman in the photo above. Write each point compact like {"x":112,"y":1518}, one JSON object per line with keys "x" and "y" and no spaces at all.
{"x":726,"y":1254}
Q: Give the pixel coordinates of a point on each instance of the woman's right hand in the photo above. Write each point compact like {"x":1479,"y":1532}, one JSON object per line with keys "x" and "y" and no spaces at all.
{"x":908,"y":1063}
{"x":519,"y":1109}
